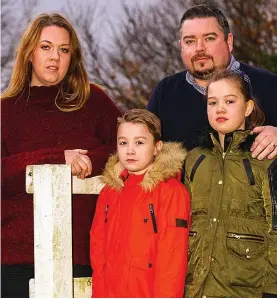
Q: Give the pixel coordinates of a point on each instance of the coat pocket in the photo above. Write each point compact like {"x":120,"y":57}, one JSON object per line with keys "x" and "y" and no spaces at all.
{"x":246,"y":258}
{"x":199,"y":206}
{"x":141,"y":277}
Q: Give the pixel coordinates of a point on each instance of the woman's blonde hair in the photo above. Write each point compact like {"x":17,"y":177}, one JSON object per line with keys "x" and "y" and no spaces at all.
{"x":75,"y":88}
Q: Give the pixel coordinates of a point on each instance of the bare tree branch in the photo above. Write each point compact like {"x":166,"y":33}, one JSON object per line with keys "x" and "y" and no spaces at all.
{"x":12,"y":27}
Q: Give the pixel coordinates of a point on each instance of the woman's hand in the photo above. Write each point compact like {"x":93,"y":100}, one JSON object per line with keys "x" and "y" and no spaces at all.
{"x":79,"y":161}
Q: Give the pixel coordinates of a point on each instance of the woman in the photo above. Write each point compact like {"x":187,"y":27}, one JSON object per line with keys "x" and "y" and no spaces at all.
{"x":50,"y":114}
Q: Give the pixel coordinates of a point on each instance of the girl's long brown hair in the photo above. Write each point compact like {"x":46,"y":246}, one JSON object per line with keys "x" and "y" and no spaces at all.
{"x":242,"y":82}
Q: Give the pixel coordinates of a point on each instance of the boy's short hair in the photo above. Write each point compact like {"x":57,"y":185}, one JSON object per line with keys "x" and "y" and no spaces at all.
{"x":145,"y":117}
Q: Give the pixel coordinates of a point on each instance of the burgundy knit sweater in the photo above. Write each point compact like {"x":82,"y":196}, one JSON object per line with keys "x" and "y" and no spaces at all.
{"x":35,"y":131}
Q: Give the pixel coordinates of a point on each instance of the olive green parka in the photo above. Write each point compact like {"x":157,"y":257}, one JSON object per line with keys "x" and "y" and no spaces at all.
{"x":233,"y":235}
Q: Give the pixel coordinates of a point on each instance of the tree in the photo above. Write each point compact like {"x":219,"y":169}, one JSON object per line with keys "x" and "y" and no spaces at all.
{"x":145,"y":49}
{"x":86,"y":20}
{"x":254,"y":24}
{"x":12,"y":27}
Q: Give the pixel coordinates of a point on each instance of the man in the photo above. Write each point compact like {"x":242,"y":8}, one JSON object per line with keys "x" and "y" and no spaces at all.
{"x":206,"y":45}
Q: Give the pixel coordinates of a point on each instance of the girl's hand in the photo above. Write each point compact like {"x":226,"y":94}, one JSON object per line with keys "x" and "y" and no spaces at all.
{"x":80,"y":163}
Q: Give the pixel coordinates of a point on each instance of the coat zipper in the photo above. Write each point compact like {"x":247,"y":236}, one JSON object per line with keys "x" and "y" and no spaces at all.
{"x":152,"y":213}
{"x":245,"y":237}
{"x":106,"y":213}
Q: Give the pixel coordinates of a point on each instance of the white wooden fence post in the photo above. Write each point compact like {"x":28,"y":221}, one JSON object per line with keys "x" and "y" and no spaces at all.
{"x":53,"y":232}
{"x":52,"y":189}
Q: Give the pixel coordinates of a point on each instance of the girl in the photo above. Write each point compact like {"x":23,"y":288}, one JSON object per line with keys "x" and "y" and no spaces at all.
{"x":233,"y":237}
{"x":139,"y":234}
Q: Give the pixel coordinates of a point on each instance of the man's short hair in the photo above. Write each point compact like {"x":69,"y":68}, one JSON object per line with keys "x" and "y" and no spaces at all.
{"x":207,"y":11}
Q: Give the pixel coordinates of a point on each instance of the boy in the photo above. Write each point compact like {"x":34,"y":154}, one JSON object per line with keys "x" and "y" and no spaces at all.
{"x":139,"y":235}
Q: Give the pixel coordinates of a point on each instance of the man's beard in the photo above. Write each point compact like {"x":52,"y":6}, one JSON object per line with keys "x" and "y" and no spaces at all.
{"x":205,"y":74}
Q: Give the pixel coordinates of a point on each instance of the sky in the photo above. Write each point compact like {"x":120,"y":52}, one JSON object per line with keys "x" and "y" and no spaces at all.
{"x":113,"y":10}
{"x":113,"y":6}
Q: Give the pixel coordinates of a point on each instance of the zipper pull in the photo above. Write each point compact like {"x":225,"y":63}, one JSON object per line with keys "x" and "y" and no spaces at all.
{"x":232,"y":235}
{"x":152,"y":213}
{"x":106,"y":213}
{"x":223,"y":155}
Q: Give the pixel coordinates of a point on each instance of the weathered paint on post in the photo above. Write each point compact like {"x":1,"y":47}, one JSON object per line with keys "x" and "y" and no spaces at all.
{"x":53,"y":231}
{"x":51,"y":185}
{"x":82,"y":287}
{"x":87,"y":186}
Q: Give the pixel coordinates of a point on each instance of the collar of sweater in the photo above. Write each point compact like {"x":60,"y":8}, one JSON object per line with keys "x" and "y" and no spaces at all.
{"x":38,"y":95}
{"x":167,"y":164}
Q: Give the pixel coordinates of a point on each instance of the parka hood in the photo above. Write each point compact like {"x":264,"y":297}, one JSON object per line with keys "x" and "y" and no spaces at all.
{"x":167,"y":164}
{"x":242,"y":139}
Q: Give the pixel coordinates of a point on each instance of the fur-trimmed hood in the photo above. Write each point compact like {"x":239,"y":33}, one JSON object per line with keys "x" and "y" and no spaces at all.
{"x":167,"y":164}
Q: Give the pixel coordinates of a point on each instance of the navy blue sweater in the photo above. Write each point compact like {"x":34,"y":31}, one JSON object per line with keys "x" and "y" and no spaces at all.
{"x":182,"y":109}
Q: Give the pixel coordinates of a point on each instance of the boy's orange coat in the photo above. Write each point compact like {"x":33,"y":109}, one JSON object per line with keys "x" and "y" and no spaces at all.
{"x":128,"y":258}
